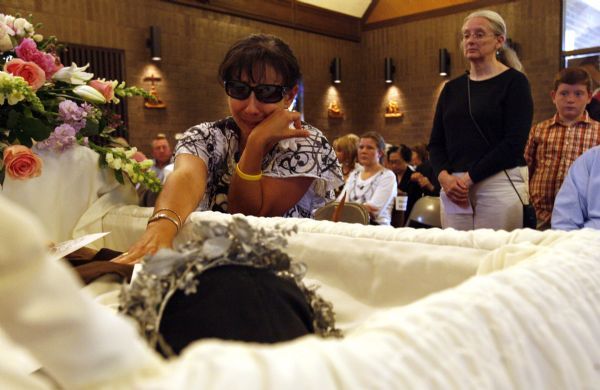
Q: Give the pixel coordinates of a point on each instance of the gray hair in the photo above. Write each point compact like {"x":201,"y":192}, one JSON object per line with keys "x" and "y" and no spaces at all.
{"x":506,"y":54}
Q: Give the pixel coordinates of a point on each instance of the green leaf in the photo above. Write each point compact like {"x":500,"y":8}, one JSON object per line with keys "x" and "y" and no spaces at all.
{"x":14,"y":119}
{"x":27,"y":112}
{"x":36,"y":129}
{"x":119,"y":177}
{"x":91,"y":128}
{"x":24,"y":139}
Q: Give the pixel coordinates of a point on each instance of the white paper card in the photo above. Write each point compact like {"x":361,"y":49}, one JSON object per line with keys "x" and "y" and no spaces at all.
{"x":401,"y":202}
{"x":452,"y":208}
{"x":62,"y":249}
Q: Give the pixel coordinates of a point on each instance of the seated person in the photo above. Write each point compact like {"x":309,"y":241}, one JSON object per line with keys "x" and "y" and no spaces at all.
{"x":346,"y":151}
{"x":161,"y":155}
{"x":424,"y":175}
{"x":373,"y":186}
{"x":577,"y":204}
{"x":238,"y":164}
{"x":397,"y":164}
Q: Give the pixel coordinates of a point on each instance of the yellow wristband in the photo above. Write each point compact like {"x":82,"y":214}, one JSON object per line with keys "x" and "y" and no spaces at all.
{"x":245,"y":176}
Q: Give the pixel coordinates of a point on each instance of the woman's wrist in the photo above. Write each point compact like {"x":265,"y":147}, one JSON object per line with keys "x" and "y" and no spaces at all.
{"x":163,"y":227}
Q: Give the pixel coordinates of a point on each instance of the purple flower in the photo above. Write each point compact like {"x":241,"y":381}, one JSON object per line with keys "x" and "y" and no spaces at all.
{"x":70,"y":113}
{"x":62,"y":138}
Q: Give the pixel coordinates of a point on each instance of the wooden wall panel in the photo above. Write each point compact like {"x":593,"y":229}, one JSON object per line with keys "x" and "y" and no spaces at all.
{"x":195,"y":40}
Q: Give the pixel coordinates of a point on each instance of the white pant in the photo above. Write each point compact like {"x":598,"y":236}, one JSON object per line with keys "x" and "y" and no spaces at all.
{"x":495,"y":203}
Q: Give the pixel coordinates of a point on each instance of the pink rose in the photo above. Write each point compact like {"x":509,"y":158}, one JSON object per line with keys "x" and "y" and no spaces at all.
{"x":28,"y":51}
{"x":106,"y":88}
{"x":21,"y":163}
{"x":33,"y":74}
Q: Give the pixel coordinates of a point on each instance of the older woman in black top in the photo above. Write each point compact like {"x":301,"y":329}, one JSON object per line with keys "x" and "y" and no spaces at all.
{"x":480,"y":128}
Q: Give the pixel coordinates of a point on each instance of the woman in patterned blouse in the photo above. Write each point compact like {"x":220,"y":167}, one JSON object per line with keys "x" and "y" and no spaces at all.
{"x":260,"y":161}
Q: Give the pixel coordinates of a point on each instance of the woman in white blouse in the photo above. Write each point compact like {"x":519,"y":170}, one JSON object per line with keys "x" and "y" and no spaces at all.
{"x":374,"y":186}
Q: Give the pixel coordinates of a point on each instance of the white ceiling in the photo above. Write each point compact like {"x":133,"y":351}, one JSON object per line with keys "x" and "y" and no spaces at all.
{"x":356,"y":8}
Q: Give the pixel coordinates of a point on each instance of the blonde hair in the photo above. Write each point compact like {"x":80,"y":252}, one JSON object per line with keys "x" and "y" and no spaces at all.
{"x":506,"y":54}
{"x":349,"y":145}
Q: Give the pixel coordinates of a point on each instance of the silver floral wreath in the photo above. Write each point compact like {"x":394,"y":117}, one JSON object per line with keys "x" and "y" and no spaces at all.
{"x":217,"y":244}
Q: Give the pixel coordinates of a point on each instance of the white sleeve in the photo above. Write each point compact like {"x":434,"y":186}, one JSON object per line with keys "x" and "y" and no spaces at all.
{"x":570,"y":205}
{"x":385,"y":190}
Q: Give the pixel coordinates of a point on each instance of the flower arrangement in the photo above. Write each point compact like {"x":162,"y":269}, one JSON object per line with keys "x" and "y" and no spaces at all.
{"x":46,"y":105}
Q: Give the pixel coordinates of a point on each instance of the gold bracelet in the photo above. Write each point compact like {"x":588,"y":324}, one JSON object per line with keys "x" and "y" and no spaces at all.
{"x":172,"y":211}
{"x":245,"y":176}
{"x":156,"y":217}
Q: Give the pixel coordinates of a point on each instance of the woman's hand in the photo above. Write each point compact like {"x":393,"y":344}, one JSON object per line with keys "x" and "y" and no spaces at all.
{"x":159,"y":234}
{"x":179,"y":197}
{"x":422,"y":181}
{"x":455,"y":188}
{"x":276,"y":127}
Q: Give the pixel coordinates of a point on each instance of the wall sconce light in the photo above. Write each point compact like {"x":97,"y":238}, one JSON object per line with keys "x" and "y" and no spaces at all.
{"x":444,"y":63}
{"x":154,"y":43}
{"x":390,"y":69}
{"x":336,"y":70}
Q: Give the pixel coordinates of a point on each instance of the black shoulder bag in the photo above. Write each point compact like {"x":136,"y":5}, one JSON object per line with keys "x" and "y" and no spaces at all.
{"x":529,"y":218}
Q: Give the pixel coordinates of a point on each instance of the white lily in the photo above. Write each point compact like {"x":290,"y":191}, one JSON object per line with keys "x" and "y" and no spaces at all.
{"x":89,"y":94}
{"x":73,"y":74}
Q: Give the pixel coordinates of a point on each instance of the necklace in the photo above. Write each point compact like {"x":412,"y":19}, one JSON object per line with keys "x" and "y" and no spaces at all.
{"x":364,"y":188}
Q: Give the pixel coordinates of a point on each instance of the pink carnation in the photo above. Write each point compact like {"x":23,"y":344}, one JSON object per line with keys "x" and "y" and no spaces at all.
{"x":28,"y":51}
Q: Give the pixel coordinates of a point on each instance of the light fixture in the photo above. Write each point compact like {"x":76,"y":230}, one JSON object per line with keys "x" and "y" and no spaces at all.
{"x":390,"y":69}
{"x":444,"y":62}
{"x":154,"y":43}
{"x":336,"y":70}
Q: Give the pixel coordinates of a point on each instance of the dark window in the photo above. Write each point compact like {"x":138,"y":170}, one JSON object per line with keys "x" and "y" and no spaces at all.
{"x":104,"y":63}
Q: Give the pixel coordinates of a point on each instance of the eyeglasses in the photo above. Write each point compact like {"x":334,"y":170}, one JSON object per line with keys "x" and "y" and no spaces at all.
{"x":477,"y":36}
{"x":265,"y":93}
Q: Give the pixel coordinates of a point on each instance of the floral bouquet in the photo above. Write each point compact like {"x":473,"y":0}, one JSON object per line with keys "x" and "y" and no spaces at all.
{"x":52,"y":106}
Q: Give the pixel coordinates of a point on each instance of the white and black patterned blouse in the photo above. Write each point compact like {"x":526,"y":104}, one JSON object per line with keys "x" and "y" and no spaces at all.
{"x":217,"y":144}
{"x":378,"y":190}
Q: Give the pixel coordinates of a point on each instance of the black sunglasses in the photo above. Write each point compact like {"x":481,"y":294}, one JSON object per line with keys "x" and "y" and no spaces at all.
{"x":265,"y":93}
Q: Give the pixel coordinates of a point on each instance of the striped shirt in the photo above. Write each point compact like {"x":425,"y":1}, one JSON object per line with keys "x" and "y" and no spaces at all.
{"x":551,"y":149}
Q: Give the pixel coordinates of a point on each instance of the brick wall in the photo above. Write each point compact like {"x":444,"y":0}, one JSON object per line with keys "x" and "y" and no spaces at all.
{"x":194,"y":41}
{"x":533,"y":24}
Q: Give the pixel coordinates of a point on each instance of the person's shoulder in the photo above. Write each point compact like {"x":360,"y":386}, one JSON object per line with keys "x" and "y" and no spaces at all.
{"x":457,"y":82}
{"x":223,"y":126}
{"x":388,"y":173}
{"x":316,"y":138}
{"x":515,"y":76}
{"x":543,"y":124}
{"x":315,"y":132}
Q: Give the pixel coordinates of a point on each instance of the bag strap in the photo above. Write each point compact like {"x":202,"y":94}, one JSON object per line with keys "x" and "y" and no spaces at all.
{"x":484,"y":137}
